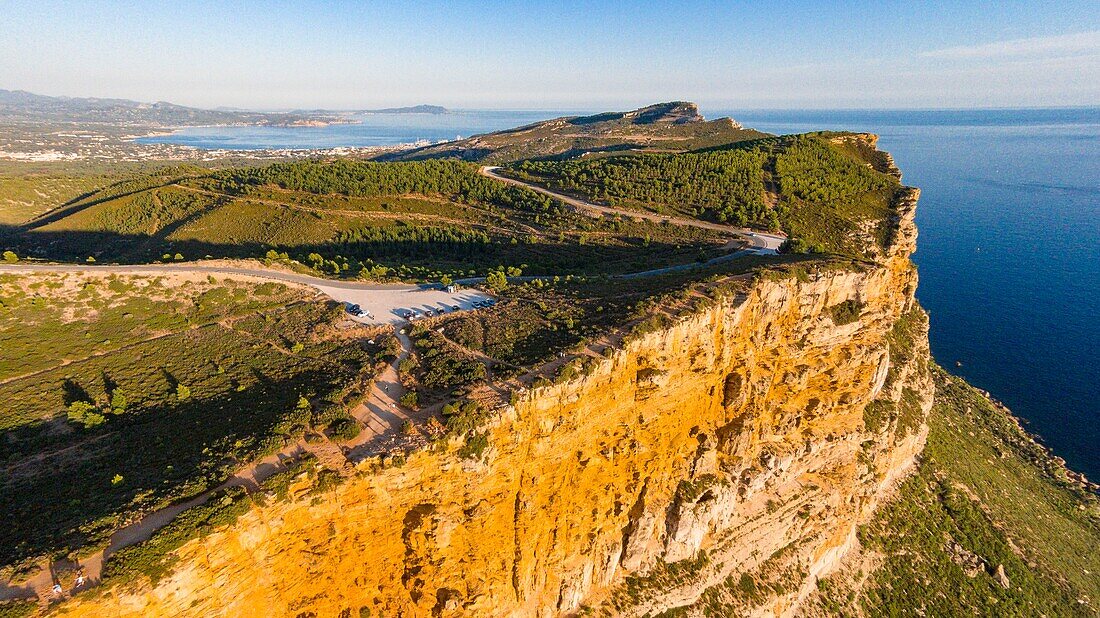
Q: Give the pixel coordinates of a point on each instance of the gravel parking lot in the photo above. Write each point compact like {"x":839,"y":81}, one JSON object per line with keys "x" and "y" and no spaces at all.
{"x":388,"y":304}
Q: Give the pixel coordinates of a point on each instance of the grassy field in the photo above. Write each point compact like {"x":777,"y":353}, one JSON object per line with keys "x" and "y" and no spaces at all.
{"x":130,"y":393}
{"x":409,"y":220}
{"x":985,"y":497}
{"x":24,"y":197}
{"x":51,"y":318}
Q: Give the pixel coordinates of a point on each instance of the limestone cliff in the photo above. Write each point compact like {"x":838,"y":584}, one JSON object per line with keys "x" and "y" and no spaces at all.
{"x":723,"y":462}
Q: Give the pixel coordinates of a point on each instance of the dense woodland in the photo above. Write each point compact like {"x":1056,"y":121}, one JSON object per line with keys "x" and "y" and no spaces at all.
{"x":820,"y":193}
{"x":725,"y":186}
{"x":370,"y":179}
{"x":809,"y":169}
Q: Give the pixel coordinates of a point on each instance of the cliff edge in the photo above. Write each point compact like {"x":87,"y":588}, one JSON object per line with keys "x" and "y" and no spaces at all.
{"x":749,"y":439}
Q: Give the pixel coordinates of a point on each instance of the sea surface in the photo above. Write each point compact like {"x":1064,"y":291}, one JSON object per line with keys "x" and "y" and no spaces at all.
{"x":1009,"y":248}
{"x":369,"y":130}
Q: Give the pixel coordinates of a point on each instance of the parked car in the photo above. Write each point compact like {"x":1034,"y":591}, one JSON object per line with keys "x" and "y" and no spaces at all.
{"x":455,"y":308}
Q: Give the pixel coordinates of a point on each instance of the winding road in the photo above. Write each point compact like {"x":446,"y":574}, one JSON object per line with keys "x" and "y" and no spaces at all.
{"x":758,"y":242}
{"x":381,"y":415}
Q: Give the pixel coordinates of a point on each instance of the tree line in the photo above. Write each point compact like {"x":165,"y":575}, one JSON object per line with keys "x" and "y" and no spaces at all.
{"x":725,"y":186}
{"x":455,"y":179}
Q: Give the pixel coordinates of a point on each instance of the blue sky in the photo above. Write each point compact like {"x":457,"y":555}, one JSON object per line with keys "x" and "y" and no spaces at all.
{"x":557,"y":55}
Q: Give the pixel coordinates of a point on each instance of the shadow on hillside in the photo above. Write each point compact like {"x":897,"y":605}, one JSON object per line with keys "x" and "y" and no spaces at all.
{"x":540,"y":258}
{"x":62,"y":490}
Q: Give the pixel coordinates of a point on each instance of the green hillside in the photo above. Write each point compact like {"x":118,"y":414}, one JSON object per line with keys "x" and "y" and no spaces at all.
{"x":126,"y":394}
{"x":406,"y":219}
{"x":825,"y":190}
{"x":428,"y":218}
{"x":985,"y":498}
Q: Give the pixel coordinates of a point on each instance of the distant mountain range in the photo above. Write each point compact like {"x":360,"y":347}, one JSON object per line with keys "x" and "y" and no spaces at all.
{"x":20,"y":105}
{"x":415,"y":109}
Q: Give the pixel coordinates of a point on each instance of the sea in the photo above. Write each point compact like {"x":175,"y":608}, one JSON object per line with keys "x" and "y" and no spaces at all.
{"x":1009,"y":246}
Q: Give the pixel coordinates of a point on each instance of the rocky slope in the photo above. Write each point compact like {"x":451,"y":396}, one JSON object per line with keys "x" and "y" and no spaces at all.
{"x":724,"y":462}
{"x":674,"y":126}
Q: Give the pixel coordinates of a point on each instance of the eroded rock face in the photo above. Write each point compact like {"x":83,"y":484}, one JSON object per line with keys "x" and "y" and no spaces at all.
{"x":733,"y":442}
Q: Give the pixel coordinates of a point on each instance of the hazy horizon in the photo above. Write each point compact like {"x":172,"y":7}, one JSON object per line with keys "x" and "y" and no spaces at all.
{"x":565,"y":108}
{"x":557,"y":55}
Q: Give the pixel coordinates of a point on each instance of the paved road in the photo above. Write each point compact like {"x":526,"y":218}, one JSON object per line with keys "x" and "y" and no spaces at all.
{"x":387,"y":303}
{"x":758,"y":242}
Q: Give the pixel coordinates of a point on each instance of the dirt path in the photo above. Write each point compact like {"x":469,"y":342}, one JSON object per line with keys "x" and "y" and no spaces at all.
{"x":381,"y":415}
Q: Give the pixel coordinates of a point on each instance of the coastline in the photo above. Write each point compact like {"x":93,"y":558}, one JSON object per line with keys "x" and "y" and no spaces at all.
{"x":1053,"y":463}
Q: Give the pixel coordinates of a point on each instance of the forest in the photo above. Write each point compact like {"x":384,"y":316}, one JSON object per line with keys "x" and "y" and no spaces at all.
{"x":724,"y":186}
{"x":455,"y":179}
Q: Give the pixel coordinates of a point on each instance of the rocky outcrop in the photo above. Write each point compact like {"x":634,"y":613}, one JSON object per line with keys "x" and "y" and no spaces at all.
{"x":723,"y":462}
{"x":676,"y":112}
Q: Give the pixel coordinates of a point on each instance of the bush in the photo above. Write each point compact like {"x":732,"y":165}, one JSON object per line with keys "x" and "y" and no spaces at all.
{"x":496,"y":281}
{"x":410,"y":399}
{"x":86,"y":414}
{"x":182,"y":392}
{"x":118,"y":402}
{"x":327,"y":480}
{"x":800,"y":246}
{"x":845,"y":312}
{"x":475,"y":446}
{"x":10,"y":257}
{"x":464,"y":417}
{"x":344,"y":429}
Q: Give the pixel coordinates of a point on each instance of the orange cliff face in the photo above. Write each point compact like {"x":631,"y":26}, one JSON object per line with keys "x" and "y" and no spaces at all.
{"x":732,"y":442}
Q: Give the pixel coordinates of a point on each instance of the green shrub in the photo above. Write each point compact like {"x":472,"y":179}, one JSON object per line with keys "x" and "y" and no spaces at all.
{"x":182,"y":392}
{"x":475,"y":446}
{"x":846,"y":312}
{"x":496,"y":281}
{"x":344,"y":429}
{"x":464,"y":416}
{"x":86,"y":414}
{"x":326,"y":481}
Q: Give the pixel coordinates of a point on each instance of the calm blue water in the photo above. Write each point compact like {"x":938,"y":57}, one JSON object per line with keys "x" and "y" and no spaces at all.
{"x":1009,"y":249}
{"x":371,"y":130}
